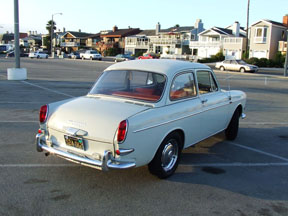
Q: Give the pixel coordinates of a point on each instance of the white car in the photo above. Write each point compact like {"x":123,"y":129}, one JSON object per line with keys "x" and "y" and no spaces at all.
{"x":139,"y":113}
{"x":38,"y":54}
{"x":91,"y":54}
{"x":236,"y":65}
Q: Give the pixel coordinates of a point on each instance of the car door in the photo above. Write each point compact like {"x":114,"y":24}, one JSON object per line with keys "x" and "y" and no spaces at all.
{"x":214,"y":103}
{"x":185,"y":106}
{"x":234,"y":65}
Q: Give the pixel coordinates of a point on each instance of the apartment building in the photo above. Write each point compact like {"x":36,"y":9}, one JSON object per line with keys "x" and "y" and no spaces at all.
{"x":172,"y":41}
{"x":265,"y":36}
{"x":231,"y":40}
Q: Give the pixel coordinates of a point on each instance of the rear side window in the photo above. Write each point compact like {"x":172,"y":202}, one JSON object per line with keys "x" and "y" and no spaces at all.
{"x":183,"y":86}
{"x":206,"y":82}
{"x":139,"y":85}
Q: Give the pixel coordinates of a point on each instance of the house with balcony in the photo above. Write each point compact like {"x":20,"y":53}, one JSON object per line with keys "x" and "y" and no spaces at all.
{"x":73,"y":40}
{"x":265,"y":36}
{"x":114,"y":39}
{"x":168,"y":42}
{"x":230,"y":40}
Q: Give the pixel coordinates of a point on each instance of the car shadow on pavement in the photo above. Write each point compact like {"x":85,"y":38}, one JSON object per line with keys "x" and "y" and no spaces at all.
{"x":231,"y":166}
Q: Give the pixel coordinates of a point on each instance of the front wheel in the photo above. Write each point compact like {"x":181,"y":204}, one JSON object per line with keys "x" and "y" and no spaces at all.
{"x":232,"y":129}
{"x":222,"y":68}
{"x":166,"y":159}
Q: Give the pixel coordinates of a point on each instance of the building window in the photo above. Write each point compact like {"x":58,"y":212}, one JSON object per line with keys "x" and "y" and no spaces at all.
{"x":260,"y":35}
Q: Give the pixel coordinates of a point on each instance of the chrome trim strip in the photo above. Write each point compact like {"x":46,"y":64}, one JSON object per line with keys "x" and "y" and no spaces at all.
{"x":125,"y":151}
{"x":106,"y":163}
{"x":139,"y":130}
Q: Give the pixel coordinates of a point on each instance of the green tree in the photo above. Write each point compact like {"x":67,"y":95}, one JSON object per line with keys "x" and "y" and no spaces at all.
{"x":48,"y":38}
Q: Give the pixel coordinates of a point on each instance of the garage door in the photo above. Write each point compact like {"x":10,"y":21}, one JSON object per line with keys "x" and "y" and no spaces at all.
{"x":259,"y":54}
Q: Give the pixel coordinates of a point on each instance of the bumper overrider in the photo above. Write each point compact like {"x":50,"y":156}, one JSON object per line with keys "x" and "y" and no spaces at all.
{"x":107,"y":162}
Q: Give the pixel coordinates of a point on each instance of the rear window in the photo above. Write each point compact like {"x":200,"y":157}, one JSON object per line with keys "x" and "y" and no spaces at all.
{"x":138,"y":85}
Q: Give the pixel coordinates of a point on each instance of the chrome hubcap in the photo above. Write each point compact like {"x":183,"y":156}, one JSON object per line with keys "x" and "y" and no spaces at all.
{"x":169,"y":155}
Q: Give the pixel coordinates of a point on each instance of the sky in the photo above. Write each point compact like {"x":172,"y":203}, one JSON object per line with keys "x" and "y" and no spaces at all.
{"x":93,"y":16}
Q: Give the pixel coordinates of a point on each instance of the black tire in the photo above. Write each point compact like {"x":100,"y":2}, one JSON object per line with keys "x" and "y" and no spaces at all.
{"x":222,"y":68}
{"x":242,"y":70}
{"x":167,"y":157}
{"x":232,"y":129}
{"x":38,"y":57}
{"x":82,"y":57}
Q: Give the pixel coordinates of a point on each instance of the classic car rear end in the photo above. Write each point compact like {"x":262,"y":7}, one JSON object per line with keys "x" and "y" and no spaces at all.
{"x":139,"y":113}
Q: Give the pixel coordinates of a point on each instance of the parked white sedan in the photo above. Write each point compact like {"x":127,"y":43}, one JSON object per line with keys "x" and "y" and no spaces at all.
{"x":236,"y":65}
{"x":38,"y":54}
{"x":139,"y":113}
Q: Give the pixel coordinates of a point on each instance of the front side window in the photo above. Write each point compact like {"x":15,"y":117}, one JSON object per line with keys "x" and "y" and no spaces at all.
{"x":206,"y":82}
{"x":139,"y":85}
{"x":183,"y":86}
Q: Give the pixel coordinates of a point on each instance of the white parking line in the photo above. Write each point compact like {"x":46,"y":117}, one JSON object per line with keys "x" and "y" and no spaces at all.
{"x":255,"y":150}
{"x":233,"y":164}
{"x":47,"y":89}
{"x":36,"y":165}
{"x":264,"y":123}
{"x":180,"y":165}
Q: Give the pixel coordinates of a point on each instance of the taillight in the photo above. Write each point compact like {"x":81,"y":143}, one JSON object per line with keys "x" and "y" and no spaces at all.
{"x":43,"y":113}
{"x":122,"y":130}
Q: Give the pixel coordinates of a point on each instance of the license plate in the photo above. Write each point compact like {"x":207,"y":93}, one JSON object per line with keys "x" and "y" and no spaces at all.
{"x":74,"y":142}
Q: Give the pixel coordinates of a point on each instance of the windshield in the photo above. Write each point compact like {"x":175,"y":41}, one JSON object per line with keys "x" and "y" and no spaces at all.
{"x":241,"y":62}
{"x":139,"y":85}
{"x":94,"y":52}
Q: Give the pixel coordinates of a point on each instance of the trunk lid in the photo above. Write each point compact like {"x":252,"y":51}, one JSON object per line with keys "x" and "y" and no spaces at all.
{"x":99,"y":117}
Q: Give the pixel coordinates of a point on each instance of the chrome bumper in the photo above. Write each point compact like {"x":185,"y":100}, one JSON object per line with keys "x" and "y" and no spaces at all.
{"x":105,"y":164}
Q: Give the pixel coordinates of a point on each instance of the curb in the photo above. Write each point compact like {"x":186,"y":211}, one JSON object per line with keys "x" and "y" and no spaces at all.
{"x":251,"y":74}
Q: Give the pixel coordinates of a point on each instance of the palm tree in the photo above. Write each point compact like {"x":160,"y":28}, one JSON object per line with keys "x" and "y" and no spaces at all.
{"x":48,"y":27}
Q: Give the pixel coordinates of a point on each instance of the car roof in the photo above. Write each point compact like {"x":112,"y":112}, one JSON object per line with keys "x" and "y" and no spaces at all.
{"x":163,"y":66}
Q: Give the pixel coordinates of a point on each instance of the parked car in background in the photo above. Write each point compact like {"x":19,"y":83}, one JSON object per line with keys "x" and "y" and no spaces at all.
{"x":138,"y":113}
{"x":91,"y":54}
{"x":38,"y":54}
{"x":123,"y":57}
{"x":149,"y":56}
{"x":74,"y":55}
{"x":236,"y":65}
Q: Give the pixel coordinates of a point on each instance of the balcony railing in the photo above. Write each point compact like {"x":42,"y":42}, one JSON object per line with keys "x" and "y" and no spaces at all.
{"x":260,"y":39}
{"x":233,"y":40}
{"x":205,"y":44}
{"x":70,"y":44}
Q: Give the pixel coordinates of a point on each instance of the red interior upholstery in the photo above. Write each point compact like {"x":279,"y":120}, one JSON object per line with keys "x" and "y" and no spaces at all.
{"x":178,"y":94}
{"x":137,"y":95}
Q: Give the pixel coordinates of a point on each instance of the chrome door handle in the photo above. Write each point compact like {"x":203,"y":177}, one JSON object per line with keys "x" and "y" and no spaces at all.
{"x":204,"y":101}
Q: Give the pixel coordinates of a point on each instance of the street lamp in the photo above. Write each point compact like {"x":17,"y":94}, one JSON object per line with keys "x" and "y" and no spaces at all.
{"x":52,"y":28}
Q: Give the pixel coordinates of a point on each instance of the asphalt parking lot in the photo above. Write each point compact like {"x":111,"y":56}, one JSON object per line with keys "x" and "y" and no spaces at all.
{"x":248,"y":176}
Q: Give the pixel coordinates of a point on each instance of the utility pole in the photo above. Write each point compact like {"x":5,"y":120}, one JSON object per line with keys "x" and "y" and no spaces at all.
{"x":16,"y":73}
{"x":16,"y":34}
{"x":286,"y":59}
{"x":247,"y":28}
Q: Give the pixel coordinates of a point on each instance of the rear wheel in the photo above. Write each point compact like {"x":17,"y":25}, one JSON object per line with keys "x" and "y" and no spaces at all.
{"x":166,"y":159}
{"x":38,"y":57}
{"x":232,"y":129}
{"x":222,"y":68}
{"x":82,"y":57}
